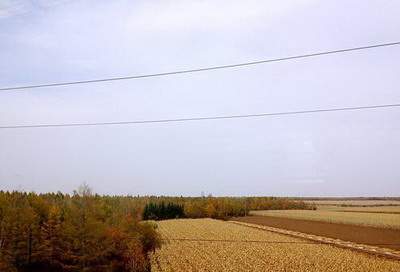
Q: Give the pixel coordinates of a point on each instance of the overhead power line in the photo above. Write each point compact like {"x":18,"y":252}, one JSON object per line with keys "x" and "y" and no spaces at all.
{"x":198,"y":69}
{"x":202,"y":118}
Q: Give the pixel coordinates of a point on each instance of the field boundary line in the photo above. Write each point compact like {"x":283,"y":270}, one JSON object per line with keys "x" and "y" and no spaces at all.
{"x":249,"y":241}
{"x":378,"y":251}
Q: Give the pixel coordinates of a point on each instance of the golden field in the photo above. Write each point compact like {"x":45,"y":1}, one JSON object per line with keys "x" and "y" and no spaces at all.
{"x":380,"y":220}
{"x":370,"y":209}
{"x":213,"y":245}
{"x":355,"y":202}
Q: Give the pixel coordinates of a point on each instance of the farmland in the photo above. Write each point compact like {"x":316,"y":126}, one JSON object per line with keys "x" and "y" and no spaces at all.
{"x":381,"y":220}
{"x":384,"y":237}
{"x":356,"y":202}
{"x":367,"y":209}
{"x":213,"y":245}
{"x":367,"y":223}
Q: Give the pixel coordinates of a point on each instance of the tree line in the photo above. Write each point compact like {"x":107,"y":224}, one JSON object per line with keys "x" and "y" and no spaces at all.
{"x":88,"y":232}
{"x":215,"y":207}
{"x":79,"y":232}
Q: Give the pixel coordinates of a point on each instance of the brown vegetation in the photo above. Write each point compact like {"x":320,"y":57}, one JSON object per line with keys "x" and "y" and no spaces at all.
{"x":225,"y":207}
{"x":82,"y":232}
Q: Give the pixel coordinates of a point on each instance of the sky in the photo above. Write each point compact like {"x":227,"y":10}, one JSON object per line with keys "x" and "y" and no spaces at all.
{"x":353,"y":153}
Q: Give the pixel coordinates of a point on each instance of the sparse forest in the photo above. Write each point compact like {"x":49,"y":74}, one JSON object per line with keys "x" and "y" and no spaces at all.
{"x":89,"y":232}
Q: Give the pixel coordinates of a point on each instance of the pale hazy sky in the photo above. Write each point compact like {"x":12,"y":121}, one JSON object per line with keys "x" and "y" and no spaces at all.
{"x":327,"y":154}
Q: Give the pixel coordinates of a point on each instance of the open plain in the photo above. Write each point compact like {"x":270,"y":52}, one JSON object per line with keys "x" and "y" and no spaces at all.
{"x":213,"y":245}
{"x":374,"y":219}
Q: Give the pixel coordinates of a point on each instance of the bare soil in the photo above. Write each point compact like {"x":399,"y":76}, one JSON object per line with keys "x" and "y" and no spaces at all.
{"x":387,"y":238}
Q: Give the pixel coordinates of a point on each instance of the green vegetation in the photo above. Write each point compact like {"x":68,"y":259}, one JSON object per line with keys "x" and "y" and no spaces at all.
{"x":160,"y":211}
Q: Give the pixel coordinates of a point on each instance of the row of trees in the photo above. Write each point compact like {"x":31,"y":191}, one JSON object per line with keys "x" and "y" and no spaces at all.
{"x":215,"y":207}
{"x":79,"y":232}
{"x":225,"y":207}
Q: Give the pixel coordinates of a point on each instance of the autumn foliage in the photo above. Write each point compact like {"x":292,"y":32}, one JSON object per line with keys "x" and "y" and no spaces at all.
{"x":89,"y":232}
{"x":79,"y":232}
{"x":215,"y":207}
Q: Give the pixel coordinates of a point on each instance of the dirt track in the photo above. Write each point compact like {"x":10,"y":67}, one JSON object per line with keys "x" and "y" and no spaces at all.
{"x":387,"y":238}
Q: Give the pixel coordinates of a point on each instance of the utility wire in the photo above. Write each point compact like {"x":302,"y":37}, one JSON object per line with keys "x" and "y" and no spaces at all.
{"x":198,"y":69}
{"x":203,"y":118}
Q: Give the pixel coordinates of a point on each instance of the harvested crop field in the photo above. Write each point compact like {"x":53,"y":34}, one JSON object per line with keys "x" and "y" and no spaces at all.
{"x":213,"y":245}
{"x":359,"y":203}
{"x":379,"y":220}
{"x":388,"y":238}
{"x":369,"y":209}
